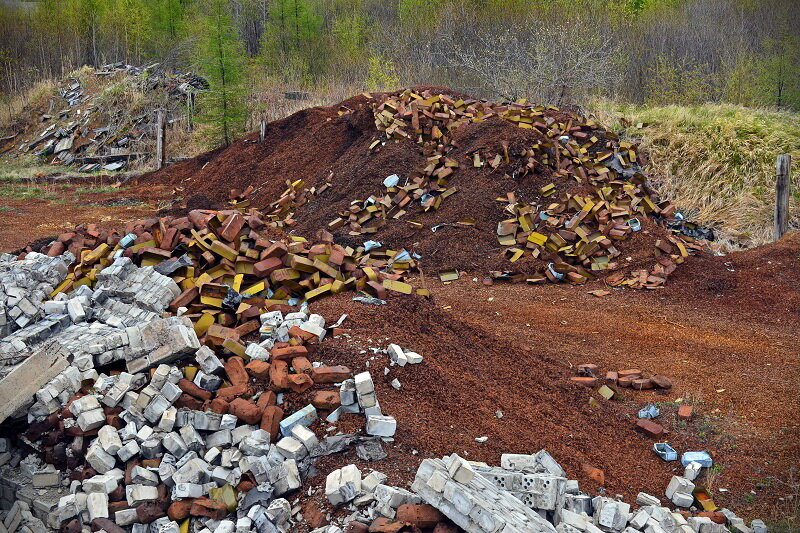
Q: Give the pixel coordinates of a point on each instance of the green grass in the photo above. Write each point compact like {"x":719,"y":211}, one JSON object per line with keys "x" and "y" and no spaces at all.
{"x":716,"y":162}
{"x":96,"y":190}
{"x":7,"y":209}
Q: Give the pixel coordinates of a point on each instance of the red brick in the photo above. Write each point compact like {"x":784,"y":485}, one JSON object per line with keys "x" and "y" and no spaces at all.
{"x":229,"y":393}
{"x":587,"y":369}
{"x":106,"y":525}
{"x":288,"y":353}
{"x":352,"y":527}
{"x":300,"y":382}
{"x":193,"y":390}
{"x":237,"y":374}
{"x":266,"y":399}
{"x":330,"y":374}
{"x":302,"y":365}
{"x":630,"y":372}
{"x":270,"y":421}
{"x":189,"y":402}
{"x":643,"y":384}
{"x":150,"y":511}
{"x":279,"y":375}
{"x":245,"y":410}
{"x":179,"y":511}
{"x":421,"y":515}
{"x":326,"y":399}
{"x":258,"y":369}
{"x":219,"y":406}
{"x":303,"y":335}
{"x":685,"y":412}
{"x":215,"y":509}
{"x":266,"y":267}
{"x":649,"y":428}
{"x":661,"y":381}
{"x":594,"y":473}
{"x":585,"y":381}
{"x":231,"y":227}
{"x":625,"y":381}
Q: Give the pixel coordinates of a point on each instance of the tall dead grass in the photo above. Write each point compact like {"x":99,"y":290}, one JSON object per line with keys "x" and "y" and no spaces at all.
{"x":715,"y":161}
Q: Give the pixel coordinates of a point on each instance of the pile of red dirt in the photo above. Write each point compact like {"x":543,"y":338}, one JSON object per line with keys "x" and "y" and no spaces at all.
{"x":332,"y":145}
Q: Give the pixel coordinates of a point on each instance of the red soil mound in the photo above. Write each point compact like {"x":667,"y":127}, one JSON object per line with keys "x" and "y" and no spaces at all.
{"x":316,"y":143}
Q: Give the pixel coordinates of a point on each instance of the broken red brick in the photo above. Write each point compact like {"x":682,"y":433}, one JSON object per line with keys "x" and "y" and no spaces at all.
{"x":219,"y":406}
{"x":300,"y":382}
{"x":214,"y":509}
{"x":258,"y":369}
{"x":179,"y":511}
{"x":352,"y":527}
{"x":594,"y":473}
{"x":685,"y":412}
{"x":104,"y":524}
{"x":327,"y":400}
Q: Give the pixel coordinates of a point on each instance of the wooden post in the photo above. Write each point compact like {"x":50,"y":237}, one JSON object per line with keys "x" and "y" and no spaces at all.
{"x":160,"y":138}
{"x":782,"y":186}
{"x":262,"y":131}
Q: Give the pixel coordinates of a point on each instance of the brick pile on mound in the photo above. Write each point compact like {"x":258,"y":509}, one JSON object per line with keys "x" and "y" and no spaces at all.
{"x":524,"y":192}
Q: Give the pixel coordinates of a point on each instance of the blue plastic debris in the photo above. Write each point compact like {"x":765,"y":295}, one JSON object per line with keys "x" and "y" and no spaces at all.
{"x":665,"y":451}
{"x":635,"y":224}
{"x":128,"y":240}
{"x":425,"y":198}
{"x":649,"y":412}
{"x":704,"y":458}
{"x":391,"y":181}
{"x":369,"y":245}
{"x":402,"y":255}
{"x":556,"y":274}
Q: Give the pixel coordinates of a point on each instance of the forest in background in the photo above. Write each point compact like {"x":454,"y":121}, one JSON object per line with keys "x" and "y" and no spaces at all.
{"x":651,"y":52}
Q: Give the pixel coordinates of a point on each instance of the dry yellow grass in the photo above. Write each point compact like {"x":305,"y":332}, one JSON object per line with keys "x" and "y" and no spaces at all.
{"x":715,"y":161}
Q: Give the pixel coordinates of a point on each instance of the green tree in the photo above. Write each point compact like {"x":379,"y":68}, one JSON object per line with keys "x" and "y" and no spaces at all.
{"x":221,"y":60}
{"x":290,"y":38}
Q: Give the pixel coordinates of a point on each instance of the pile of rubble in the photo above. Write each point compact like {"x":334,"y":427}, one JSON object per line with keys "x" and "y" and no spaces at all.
{"x":197,"y":436}
{"x":526,"y":494}
{"x":576,"y":233}
{"x":78,"y":129}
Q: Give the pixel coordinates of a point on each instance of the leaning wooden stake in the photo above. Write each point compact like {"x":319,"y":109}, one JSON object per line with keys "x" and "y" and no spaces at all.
{"x":782,"y":185}
{"x":160,"y":134}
